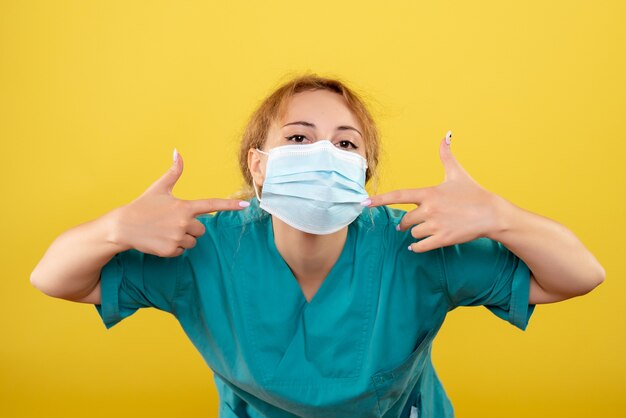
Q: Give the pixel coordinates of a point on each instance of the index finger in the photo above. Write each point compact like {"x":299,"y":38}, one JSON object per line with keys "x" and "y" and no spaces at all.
{"x":201,"y":206}
{"x":415,"y":196}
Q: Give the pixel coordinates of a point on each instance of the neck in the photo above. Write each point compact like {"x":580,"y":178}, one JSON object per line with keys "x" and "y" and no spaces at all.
{"x":309,"y":256}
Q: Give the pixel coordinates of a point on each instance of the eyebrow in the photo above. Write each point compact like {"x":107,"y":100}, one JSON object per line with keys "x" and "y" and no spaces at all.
{"x":339,"y":128}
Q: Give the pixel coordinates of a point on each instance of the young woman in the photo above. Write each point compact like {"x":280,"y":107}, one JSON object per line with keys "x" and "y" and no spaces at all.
{"x":305,"y":296}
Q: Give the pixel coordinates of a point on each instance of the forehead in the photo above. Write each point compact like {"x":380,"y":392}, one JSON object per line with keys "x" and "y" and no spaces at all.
{"x":319,"y":107}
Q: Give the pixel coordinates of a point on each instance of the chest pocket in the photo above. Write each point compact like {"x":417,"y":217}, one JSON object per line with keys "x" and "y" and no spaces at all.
{"x":394,"y":387}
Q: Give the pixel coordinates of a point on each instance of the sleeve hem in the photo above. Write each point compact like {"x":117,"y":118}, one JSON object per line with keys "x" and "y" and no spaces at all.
{"x":177,"y":281}
{"x":110,"y":281}
{"x":520,"y":310}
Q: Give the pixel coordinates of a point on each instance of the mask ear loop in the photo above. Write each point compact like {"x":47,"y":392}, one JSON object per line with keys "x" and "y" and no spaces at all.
{"x":253,"y":182}
{"x":255,"y":191}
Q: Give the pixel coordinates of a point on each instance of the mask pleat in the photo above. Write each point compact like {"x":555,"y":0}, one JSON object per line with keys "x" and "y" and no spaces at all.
{"x":315,"y":188}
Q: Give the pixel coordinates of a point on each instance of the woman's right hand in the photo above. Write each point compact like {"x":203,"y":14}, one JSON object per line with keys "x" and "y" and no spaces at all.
{"x":159,"y":223}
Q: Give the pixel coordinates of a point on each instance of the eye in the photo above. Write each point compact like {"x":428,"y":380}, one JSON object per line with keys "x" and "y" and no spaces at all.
{"x":296,"y":138}
{"x":345,"y":144}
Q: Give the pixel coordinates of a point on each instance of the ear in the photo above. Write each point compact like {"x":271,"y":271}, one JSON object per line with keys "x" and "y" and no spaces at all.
{"x":256,"y":165}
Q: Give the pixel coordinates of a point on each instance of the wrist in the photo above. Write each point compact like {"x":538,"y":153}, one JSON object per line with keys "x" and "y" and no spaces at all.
{"x":504,"y":216}
{"x":112,"y":227}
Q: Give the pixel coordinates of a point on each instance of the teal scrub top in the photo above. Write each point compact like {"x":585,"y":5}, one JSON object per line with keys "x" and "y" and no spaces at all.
{"x":360,"y":348}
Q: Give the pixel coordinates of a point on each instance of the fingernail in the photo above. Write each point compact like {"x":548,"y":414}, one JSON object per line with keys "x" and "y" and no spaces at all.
{"x":175,"y":155}
{"x":397,"y":227}
{"x":410,"y":249}
{"x":448,"y":137}
{"x":366,"y":202}
{"x":244,"y":204}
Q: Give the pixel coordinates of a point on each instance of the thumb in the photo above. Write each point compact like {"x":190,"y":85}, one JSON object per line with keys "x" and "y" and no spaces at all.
{"x":452,"y":168}
{"x":168,"y":180}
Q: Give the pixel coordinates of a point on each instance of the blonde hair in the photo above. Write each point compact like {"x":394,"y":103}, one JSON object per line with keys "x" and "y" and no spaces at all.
{"x":272,"y":110}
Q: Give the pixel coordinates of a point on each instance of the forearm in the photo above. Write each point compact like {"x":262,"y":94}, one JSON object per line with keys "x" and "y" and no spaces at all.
{"x":558,"y":260}
{"x":71,"y":266}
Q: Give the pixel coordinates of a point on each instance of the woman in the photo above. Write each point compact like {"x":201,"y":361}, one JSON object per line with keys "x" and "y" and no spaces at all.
{"x":305,"y":296}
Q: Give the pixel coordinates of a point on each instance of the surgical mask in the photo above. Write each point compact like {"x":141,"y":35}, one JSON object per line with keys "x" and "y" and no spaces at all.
{"x":316,"y":188}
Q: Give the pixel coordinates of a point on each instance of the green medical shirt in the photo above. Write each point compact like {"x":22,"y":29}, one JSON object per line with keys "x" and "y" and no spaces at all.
{"x":360,"y":348}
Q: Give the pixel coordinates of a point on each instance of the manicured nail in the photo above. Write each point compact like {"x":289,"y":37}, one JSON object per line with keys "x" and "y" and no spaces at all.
{"x":244,"y":204}
{"x":398,"y":227}
{"x":366,"y":202}
{"x":175,"y":155}
{"x":410,"y":249}
{"x":448,"y":137}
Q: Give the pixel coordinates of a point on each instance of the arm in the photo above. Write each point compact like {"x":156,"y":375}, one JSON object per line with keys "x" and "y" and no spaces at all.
{"x":561,"y":266}
{"x":459,"y":210}
{"x":156,"y":223}
{"x":70,"y":268}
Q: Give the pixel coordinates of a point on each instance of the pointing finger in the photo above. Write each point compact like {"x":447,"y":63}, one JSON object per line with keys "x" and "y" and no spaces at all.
{"x":415,"y":196}
{"x":201,"y":206}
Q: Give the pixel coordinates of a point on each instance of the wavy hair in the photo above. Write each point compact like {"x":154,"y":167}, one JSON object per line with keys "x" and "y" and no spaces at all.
{"x":273,"y":108}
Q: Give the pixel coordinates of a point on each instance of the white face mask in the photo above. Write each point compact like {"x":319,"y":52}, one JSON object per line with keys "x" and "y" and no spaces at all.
{"x":316,"y":188}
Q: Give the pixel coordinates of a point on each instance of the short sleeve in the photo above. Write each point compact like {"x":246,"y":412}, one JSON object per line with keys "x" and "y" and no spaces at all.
{"x":132,"y":280}
{"x":484,"y":272}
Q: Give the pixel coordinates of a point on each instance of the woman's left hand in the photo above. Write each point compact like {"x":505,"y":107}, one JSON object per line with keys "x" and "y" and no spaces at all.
{"x":455,"y":211}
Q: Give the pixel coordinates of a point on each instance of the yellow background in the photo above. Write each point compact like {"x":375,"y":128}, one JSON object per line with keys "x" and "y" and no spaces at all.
{"x":96,"y":94}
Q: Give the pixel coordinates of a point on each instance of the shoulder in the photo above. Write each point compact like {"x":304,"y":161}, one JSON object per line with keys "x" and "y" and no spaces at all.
{"x":380,"y":216}
{"x":226,"y":230}
{"x":395,"y":244}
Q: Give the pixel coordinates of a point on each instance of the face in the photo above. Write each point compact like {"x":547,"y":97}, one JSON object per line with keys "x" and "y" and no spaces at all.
{"x":311,"y":116}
